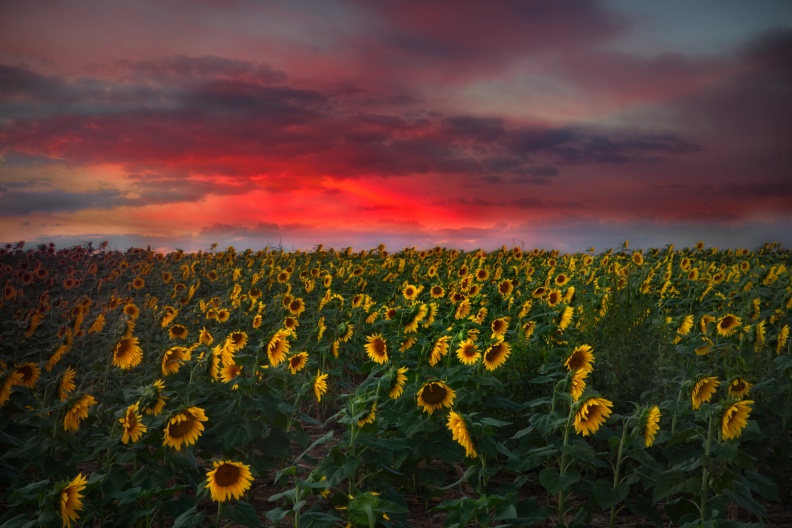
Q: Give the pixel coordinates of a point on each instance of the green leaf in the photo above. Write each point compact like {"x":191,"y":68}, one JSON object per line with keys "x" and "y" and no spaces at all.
{"x":742,"y":496}
{"x":277,"y":514}
{"x":762,"y":485}
{"x":607,"y":496}
{"x":667,"y":483}
{"x":321,"y":440}
{"x":244,"y":513}
{"x":493,"y":422}
{"x":189,"y":519}
{"x":555,"y":483}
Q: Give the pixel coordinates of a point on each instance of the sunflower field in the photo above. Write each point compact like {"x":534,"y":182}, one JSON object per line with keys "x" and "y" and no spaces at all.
{"x":368,"y":388}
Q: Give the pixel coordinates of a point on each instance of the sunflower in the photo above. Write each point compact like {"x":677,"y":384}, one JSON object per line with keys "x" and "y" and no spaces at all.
{"x":437,"y":292}
{"x":735,"y":418}
{"x":496,"y":355}
{"x":686,"y":326}
{"x":728,"y":324}
{"x":499,"y":327}
{"x":30,"y":374}
{"x":591,"y":414}
{"x":704,"y":323}
{"x":178,"y":331}
{"x":783,"y":335}
{"x":77,"y":412}
{"x":411,"y":292}
{"x":377,"y":349}
{"x":296,"y":307}
{"x":184,"y":428}
{"x":459,"y":430}
{"x":435,"y":395}
{"x":468,"y":353}
{"x":127,"y":353}
{"x":462,"y":309}
{"x":554,"y":297}
{"x":278,"y":347}
{"x":651,"y":425}
{"x":397,"y":383}
{"x":230,"y":372}
{"x":566,"y":318}
{"x":580,"y":359}
{"x":153,"y":400}
{"x":505,"y":288}
{"x":297,"y":362}
{"x":369,"y":417}
{"x":173,"y":358}
{"x":320,"y":385}
{"x":637,"y":258}
{"x":345,"y":331}
{"x":11,"y":378}
{"x":236,"y":340}
{"x":97,"y":325}
{"x":321,"y":327}
{"x":133,"y":428}
{"x":703,"y":390}
{"x":739,"y":388}
{"x":70,"y":500}
{"x":222,"y":315}
{"x":759,"y":339}
{"x":417,"y":314}
{"x":66,"y":385}
{"x":228,"y":480}
{"x":528,"y":329}
{"x":131,"y":310}
{"x":439,"y":350}
{"x":577,"y":384}
{"x":138,"y":283}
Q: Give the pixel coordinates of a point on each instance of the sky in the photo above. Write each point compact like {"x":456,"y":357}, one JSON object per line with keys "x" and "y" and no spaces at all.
{"x":351,"y":123}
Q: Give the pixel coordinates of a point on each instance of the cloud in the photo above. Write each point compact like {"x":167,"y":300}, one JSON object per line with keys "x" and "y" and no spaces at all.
{"x":19,"y":203}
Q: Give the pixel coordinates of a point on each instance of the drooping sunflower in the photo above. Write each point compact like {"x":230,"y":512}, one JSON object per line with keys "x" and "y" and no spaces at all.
{"x":459,"y":430}
{"x":735,"y":418}
{"x":704,"y":322}
{"x":228,"y":480}
{"x":591,"y":414}
{"x":97,"y":325}
{"x":462,"y":310}
{"x":278,"y":347}
{"x":759,"y":336}
{"x":30,"y":374}
{"x":686,"y":325}
{"x":127,"y":353}
{"x":439,"y":350}
{"x":499,"y":327}
{"x":70,"y":500}
{"x":173,"y":358}
{"x":468,"y":353}
{"x":320,"y":385}
{"x":435,"y":395}
{"x":728,"y":324}
{"x":416,"y":315}
{"x":565,"y":319}
{"x":398,"y":382}
{"x":320,"y":328}
{"x":580,"y":359}
{"x":67,"y":384}
{"x":77,"y":412}
{"x":153,"y":402}
{"x":496,"y":355}
{"x":783,"y":336}
{"x":703,"y":390}
{"x":528,"y":329}
{"x":345,"y":332}
{"x":229,"y":372}
{"x":178,"y":331}
{"x":11,"y":378}
{"x":369,"y":417}
{"x":577,"y":384}
{"x":184,"y":428}
{"x":377,"y":349}
{"x":297,"y":362}
{"x":133,"y":426}
{"x":651,"y":425}
{"x":739,"y":388}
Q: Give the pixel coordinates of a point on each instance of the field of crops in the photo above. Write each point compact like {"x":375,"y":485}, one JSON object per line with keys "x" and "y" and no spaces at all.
{"x":341,"y":388}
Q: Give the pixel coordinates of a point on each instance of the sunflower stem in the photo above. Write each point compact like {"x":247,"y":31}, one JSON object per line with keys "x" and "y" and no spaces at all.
{"x":219,"y":514}
{"x":563,"y":468}
{"x":704,"y":487}
{"x":616,"y":471}
{"x":674,"y":418}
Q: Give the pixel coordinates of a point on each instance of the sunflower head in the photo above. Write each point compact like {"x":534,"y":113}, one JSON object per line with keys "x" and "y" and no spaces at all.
{"x":377,"y":349}
{"x":461,"y":433}
{"x":320,"y":385}
{"x":496,"y":355}
{"x":435,"y":395}
{"x":735,"y":418}
{"x":591,"y":414}
{"x":651,"y":425}
{"x":70,"y":500}
{"x":297,"y":362}
{"x":228,"y":479}
{"x":183,"y":428}
{"x":127,"y":353}
{"x":739,"y":388}
{"x":580,"y":359}
{"x":702,"y":391}
{"x":468,"y":353}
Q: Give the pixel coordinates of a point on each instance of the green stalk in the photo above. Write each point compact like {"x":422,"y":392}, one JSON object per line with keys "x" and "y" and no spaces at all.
{"x":674,"y":419}
{"x":704,"y":487}
{"x":616,"y":471}
{"x":563,"y":468}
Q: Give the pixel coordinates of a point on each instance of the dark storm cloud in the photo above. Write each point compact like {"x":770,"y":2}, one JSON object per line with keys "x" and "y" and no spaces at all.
{"x":17,"y":203}
{"x":177,"y":68}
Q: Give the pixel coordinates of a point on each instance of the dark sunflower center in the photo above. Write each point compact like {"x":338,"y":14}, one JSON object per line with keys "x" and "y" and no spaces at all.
{"x":434,"y":393}
{"x":469,"y":351}
{"x":226,"y":475}
{"x":181,"y":429}
{"x":237,"y":339}
{"x":576,"y":361}
{"x":123,"y":348}
{"x":26,"y":372}
{"x":727,"y":322}
{"x":378,"y":345}
{"x":493,"y":353}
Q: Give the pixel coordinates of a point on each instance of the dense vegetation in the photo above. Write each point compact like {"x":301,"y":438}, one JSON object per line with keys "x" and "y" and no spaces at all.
{"x":509,"y":387}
